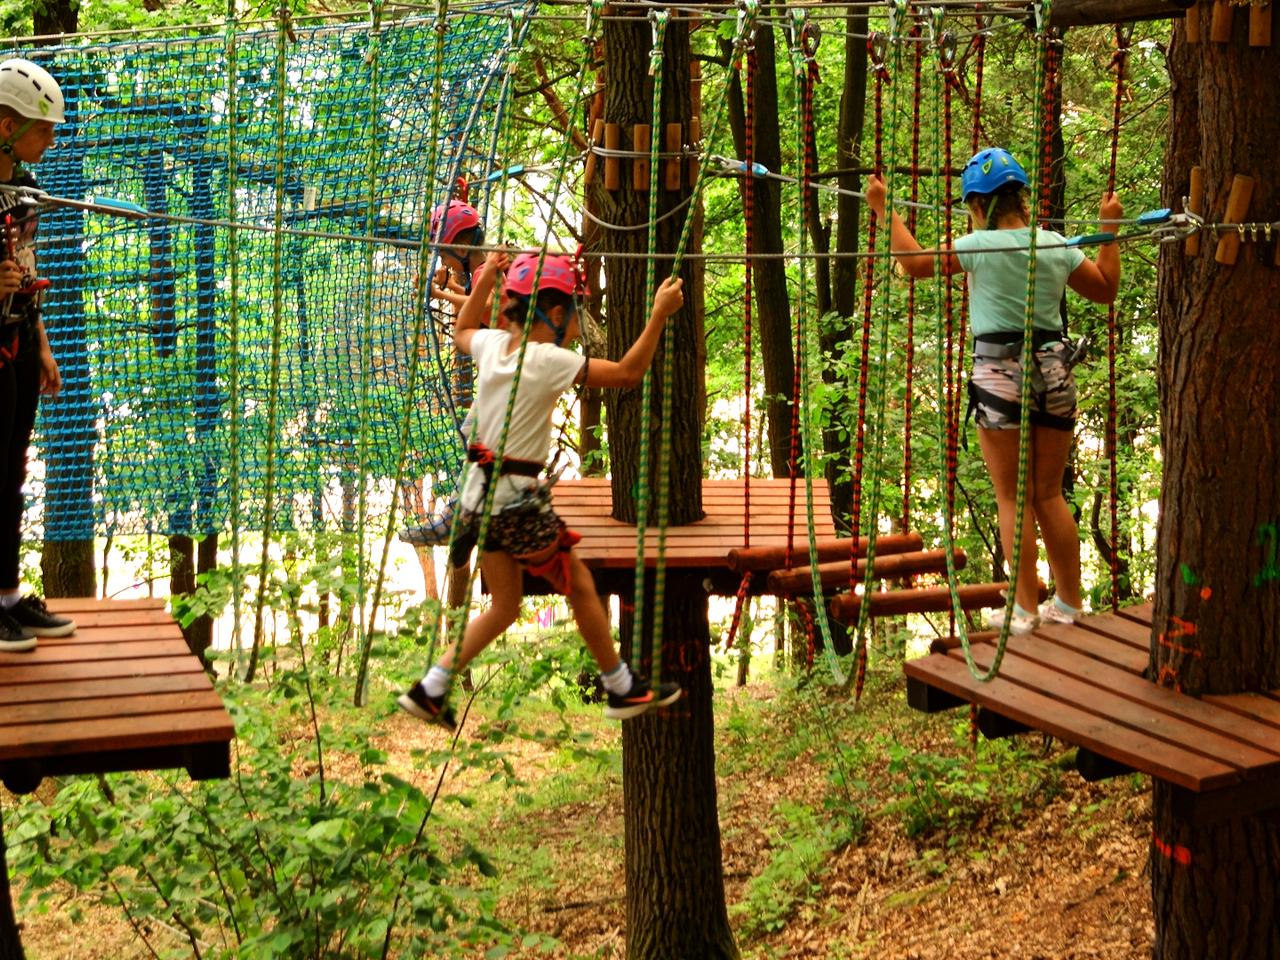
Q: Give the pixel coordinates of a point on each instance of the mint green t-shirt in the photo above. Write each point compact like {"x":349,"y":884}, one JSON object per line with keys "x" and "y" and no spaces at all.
{"x":998,"y":279}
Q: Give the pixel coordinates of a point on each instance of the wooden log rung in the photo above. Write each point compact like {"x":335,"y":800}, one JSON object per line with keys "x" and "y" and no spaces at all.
{"x":890,"y":566}
{"x":775,"y":558}
{"x":896,"y":603}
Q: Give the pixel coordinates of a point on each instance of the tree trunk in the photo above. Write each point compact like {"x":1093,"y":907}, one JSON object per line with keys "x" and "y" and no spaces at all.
{"x":675,"y":878}
{"x":1217,"y":610}
{"x":184,"y":567}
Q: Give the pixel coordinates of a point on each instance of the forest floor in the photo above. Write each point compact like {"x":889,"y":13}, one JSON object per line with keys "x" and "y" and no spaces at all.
{"x":847,"y":832}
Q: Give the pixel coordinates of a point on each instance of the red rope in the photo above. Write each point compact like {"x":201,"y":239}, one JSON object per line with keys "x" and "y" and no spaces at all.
{"x":868,"y":288}
{"x":748,"y":204}
{"x":908,"y":399}
{"x":1112,"y":441}
{"x":1051,"y":91}
{"x":739,"y":601}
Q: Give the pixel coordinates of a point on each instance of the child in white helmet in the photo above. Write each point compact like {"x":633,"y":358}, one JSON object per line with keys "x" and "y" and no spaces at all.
{"x":995,"y":256}
{"x":524,"y":533}
{"x":31,"y":106}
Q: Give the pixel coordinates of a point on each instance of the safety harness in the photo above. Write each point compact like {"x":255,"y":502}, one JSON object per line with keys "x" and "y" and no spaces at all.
{"x":1006,"y":346}
{"x":555,"y":568}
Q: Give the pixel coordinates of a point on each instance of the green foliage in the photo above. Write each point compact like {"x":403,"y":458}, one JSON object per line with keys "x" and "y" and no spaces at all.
{"x":802,"y":841}
{"x":277,"y":861}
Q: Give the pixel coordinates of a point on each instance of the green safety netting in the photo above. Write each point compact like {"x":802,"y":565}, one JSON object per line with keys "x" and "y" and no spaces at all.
{"x":331,"y":133}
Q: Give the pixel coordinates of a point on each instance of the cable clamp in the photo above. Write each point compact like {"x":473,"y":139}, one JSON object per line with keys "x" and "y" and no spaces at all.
{"x":730,"y":165}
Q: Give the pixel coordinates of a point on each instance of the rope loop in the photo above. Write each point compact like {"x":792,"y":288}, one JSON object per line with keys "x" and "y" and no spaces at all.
{"x":658,"y":22}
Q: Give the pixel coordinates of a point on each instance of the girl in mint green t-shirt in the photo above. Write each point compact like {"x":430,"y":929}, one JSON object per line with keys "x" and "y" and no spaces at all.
{"x":995,"y":257}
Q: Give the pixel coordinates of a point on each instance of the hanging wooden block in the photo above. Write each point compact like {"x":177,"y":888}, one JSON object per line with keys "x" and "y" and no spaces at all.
{"x":640,"y":142}
{"x":674,"y":143}
{"x":612,"y":171}
{"x":695,"y":136}
{"x":1260,"y":25}
{"x":597,"y":133}
{"x":1237,"y":208}
{"x":1195,"y":204}
{"x":1223,"y":15}
{"x":1193,"y":23}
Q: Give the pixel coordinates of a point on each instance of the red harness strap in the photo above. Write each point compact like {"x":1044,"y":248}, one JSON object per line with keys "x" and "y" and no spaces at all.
{"x":555,"y":569}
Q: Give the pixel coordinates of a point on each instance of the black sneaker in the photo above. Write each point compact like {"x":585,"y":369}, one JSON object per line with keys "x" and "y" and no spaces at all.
{"x":641,"y":698}
{"x":14,"y":639}
{"x":431,"y":709}
{"x":34,"y":616}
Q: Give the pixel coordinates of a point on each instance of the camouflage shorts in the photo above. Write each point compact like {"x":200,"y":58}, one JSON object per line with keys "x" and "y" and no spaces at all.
{"x":1053,"y":390}
{"x":524,"y":533}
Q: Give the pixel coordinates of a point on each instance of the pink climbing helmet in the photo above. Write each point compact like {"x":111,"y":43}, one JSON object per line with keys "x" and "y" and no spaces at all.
{"x":457,"y":216}
{"x":559,"y":272}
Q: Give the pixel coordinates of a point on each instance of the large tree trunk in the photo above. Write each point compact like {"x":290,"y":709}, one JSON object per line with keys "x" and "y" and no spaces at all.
{"x":675,"y":879}
{"x":1217,"y":611}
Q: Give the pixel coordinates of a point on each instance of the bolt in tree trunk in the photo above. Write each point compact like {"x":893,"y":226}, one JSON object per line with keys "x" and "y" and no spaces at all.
{"x":1214,"y":886}
{"x":675,"y":879}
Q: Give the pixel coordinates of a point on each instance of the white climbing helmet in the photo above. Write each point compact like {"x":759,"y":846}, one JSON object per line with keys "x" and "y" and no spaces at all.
{"x":29,"y":89}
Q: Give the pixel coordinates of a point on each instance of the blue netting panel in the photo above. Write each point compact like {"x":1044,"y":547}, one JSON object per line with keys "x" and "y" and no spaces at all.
{"x":139,"y":314}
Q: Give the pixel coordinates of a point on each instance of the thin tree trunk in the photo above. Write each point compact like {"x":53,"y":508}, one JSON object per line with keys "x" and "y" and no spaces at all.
{"x":1216,"y":624}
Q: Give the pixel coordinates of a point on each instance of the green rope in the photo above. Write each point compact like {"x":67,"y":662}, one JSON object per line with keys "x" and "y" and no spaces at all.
{"x":277,"y":329}
{"x":872,"y":512}
{"x":744,"y":29}
{"x":657,"y":56}
{"x":373,"y":162}
{"x":810,"y":353}
{"x":1024,"y":438}
{"x":233,"y":334}
{"x":499,"y":453}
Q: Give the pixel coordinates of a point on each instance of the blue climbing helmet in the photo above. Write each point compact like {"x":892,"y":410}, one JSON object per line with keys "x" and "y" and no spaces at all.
{"x":989,"y":170}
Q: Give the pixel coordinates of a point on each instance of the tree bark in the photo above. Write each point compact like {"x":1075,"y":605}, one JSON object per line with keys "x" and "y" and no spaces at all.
{"x":1216,"y":625}
{"x":675,"y":878}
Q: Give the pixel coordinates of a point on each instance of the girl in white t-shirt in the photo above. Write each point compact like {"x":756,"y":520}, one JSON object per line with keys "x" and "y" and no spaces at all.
{"x":995,"y":257}
{"x":524,"y":533}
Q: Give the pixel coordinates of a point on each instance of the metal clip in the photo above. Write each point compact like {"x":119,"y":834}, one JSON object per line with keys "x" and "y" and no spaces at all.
{"x":947,"y":53}
{"x":897,"y":14}
{"x":1043,"y":8}
{"x":658,"y":22}
{"x":594,"y":12}
{"x":748,"y":11}
{"x":878,"y":47}
{"x":936,"y":16}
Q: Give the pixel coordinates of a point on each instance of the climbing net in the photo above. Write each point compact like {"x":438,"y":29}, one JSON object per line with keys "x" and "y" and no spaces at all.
{"x":202,"y":364}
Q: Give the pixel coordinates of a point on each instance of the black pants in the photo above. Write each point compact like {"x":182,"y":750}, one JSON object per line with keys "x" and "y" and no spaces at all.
{"x":19,"y":396}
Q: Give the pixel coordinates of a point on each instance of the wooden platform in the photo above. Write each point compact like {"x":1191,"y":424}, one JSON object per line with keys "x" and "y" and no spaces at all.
{"x":1084,"y":684}
{"x":608,"y":547}
{"x":122,"y":693}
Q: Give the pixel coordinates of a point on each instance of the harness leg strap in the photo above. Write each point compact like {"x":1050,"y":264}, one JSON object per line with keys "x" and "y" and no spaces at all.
{"x":555,"y":568}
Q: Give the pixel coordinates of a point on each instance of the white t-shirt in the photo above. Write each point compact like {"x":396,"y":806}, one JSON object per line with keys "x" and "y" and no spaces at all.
{"x":548,"y":372}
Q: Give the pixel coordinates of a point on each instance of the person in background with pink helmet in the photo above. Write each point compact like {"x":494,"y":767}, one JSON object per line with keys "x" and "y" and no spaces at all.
{"x":524,"y":532}
{"x":457,"y":229}
{"x":995,"y":256}
{"x":31,"y":107}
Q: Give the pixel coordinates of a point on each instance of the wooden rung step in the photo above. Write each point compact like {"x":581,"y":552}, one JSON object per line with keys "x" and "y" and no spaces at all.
{"x":896,"y":603}
{"x":829,"y":550}
{"x":799,"y":580}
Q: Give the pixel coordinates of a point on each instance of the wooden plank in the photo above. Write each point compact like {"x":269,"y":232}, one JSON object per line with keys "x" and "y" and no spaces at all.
{"x":1138,"y":750}
{"x":1099,"y":647}
{"x":65,"y":689}
{"x":16,"y":672}
{"x":150,"y":631}
{"x":1259,"y":706}
{"x":1139,"y":613}
{"x":66,"y":711}
{"x":1118,"y":628}
{"x":1102,"y":701}
{"x":1089,"y":13}
{"x":42,"y":739}
{"x":130,"y":616}
{"x":71,"y":605}
{"x":95,"y":651}
{"x":1153,"y":697}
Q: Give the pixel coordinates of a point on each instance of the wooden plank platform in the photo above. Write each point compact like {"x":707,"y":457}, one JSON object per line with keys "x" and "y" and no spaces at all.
{"x":1084,"y":684}
{"x":122,"y":693}
{"x":609,"y":546}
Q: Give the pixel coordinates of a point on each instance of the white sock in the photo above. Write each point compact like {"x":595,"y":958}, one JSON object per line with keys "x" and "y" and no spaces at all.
{"x":618,"y":680}
{"x":437,"y":681}
{"x":8,"y":600}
